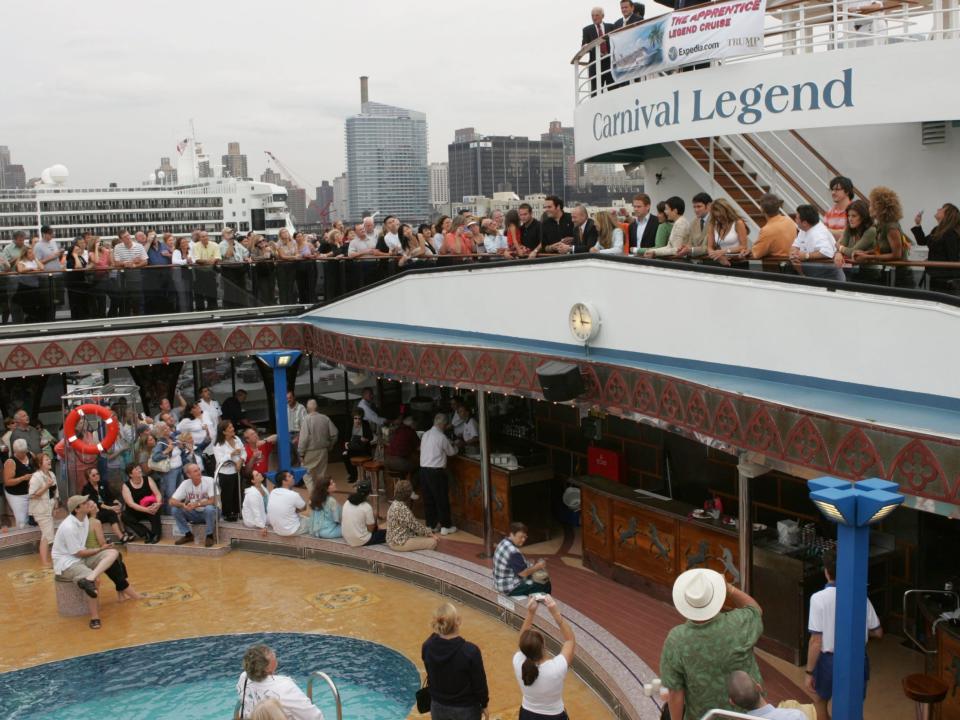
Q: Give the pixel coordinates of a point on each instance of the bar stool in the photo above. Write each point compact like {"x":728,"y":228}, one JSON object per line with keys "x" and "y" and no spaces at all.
{"x":372,"y":471}
{"x":358,"y":462}
{"x":926,"y":691}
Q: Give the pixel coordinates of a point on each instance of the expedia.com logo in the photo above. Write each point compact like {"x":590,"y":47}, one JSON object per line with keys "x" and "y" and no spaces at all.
{"x":673,"y":53}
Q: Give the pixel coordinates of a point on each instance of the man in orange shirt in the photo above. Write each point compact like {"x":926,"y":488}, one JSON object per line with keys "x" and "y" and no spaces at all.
{"x":778,"y":233}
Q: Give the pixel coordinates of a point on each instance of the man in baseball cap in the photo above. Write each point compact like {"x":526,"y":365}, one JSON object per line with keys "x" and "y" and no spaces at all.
{"x":73,"y":561}
{"x":699,"y":655}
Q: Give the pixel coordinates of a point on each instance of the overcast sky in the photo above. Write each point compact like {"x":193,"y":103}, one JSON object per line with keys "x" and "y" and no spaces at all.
{"x":108,"y":87}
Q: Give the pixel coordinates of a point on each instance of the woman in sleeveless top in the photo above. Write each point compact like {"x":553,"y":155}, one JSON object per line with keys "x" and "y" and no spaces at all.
{"x":138,"y":515}
{"x":727,"y":237}
{"x":44,"y":499}
{"x":17,"y":472}
{"x":108,"y":509}
{"x":116,"y":572}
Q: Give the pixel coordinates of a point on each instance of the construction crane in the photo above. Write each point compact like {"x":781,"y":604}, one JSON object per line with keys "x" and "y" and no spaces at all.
{"x":286,"y":172}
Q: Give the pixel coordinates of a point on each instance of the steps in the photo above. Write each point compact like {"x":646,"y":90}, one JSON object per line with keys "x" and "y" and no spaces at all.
{"x":743,"y":186}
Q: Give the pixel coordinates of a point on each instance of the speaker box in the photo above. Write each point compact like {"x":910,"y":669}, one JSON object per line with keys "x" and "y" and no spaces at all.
{"x":560,"y":381}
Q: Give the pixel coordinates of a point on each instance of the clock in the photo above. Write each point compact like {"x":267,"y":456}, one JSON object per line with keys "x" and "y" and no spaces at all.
{"x":584,"y":321}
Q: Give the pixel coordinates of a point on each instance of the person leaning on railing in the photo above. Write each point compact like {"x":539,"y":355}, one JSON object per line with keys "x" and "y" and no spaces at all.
{"x":727,"y":235}
{"x":943,"y":244}
{"x":778,"y":232}
{"x":859,"y":234}
{"x":678,"y":242}
{"x":888,"y":246}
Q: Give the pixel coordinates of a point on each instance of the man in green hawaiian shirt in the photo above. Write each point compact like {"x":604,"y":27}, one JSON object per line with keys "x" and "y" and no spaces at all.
{"x":698,"y":656}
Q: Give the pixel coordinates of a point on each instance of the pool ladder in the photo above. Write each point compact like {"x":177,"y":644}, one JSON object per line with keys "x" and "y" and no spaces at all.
{"x":317,"y":674}
{"x":333,"y":689}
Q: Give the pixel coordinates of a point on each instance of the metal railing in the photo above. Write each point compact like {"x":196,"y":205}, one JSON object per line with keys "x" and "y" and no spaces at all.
{"x":333,"y":688}
{"x":906,"y":629}
{"x":794,"y":28}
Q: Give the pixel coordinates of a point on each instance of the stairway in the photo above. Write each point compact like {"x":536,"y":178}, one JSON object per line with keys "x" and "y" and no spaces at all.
{"x":729,"y":172}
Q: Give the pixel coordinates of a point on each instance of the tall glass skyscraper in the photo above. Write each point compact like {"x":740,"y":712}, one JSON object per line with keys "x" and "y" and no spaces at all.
{"x":387,"y":162}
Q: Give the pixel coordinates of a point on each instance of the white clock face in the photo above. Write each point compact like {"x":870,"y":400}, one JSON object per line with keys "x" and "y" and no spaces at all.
{"x":584,"y":321}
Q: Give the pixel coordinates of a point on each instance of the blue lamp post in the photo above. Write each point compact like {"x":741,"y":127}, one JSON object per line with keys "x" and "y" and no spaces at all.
{"x":279,"y":361}
{"x":854,"y":507}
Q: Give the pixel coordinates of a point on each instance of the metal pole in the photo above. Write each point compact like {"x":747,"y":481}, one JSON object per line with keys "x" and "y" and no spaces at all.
{"x":485,"y":483}
{"x":746,"y":529}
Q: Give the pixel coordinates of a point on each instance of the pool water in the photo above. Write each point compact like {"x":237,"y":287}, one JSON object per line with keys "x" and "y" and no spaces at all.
{"x":195,"y":679}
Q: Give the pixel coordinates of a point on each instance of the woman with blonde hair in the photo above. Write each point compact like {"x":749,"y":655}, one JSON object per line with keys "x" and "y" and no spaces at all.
{"x":455,"y":674}
{"x":44,"y":498}
{"x":540,"y":679}
{"x":726,"y":233}
{"x":404,"y":532}
{"x":609,"y":235}
{"x":259,"y":680}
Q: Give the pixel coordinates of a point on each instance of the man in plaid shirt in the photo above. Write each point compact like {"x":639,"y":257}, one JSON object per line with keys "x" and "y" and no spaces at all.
{"x":511,"y":572}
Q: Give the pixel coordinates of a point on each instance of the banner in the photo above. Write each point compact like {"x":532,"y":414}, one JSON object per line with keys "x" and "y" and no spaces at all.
{"x":682,"y":37}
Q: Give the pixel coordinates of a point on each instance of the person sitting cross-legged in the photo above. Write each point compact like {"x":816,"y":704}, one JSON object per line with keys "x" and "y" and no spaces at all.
{"x":194,"y":502}
{"x":512,"y":574}
{"x":404,"y":531}
{"x":116,"y":572}
{"x":74,"y":561}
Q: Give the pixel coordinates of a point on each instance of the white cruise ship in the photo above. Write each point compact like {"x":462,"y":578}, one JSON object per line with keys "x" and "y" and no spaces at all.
{"x":199,"y":203}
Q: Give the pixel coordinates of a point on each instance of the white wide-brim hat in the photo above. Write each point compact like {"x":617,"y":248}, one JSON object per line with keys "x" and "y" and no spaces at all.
{"x":698,"y":594}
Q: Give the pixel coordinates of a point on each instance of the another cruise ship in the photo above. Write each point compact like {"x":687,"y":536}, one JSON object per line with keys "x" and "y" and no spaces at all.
{"x":194,"y":203}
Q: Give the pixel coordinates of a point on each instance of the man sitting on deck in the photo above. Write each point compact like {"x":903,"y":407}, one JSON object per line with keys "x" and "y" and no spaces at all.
{"x":194,"y":501}
{"x":512,"y":574}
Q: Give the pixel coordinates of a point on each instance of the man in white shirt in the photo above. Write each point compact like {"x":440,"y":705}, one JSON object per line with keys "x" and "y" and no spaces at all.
{"x":370,"y":411}
{"x":129,"y":257}
{"x":390,"y":238}
{"x":211,"y":408}
{"x":822,"y":627}
{"x":284,"y":506}
{"x":195,"y":501}
{"x":642,"y":232}
{"x":259,"y":682}
{"x":73,"y":561}
{"x":745,"y":692}
{"x":814,"y":242}
{"x":435,"y":448}
{"x":467,"y":431}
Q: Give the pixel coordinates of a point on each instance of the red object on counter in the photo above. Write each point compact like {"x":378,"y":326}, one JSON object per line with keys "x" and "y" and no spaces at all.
{"x":606,"y":464}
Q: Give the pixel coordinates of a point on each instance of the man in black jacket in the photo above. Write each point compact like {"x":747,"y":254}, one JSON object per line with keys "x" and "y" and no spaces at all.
{"x":598,"y":29}
{"x":631,"y":13}
{"x":643,"y":229}
{"x":556,"y":227}
{"x":585,"y":230}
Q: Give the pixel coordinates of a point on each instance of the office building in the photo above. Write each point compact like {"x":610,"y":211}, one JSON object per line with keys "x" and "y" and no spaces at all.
{"x":234,"y":162}
{"x":565,"y":135}
{"x":271,"y":176}
{"x":439,"y":183}
{"x":341,"y":199}
{"x":387,"y":161}
{"x":12,"y":176}
{"x":497,"y":163}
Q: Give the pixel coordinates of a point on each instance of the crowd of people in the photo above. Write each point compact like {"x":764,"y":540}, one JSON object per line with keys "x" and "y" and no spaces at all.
{"x":858,"y":234}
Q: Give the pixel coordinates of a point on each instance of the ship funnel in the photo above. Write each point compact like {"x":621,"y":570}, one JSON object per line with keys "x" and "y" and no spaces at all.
{"x":364,"y":93}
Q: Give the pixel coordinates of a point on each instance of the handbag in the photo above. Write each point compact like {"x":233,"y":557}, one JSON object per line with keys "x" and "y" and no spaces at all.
{"x":160,"y":466}
{"x":423,"y":697}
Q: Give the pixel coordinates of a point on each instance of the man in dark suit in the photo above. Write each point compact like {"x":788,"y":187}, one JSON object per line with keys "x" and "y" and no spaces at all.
{"x":643,"y":229}
{"x":631,"y":13}
{"x":598,"y":29}
{"x":585,"y":233}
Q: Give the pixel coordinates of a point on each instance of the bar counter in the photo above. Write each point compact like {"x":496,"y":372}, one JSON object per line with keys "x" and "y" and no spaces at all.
{"x":520,"y":495}
{"x":945,"y":664}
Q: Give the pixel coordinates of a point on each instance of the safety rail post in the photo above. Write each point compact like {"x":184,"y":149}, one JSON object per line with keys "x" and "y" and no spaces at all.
{"x":333,"y":689}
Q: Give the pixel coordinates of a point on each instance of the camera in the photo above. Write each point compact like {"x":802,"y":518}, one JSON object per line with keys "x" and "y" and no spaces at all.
{"x":539,"y":597}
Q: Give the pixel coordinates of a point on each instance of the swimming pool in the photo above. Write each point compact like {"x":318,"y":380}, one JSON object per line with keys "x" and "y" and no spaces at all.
{"x":195,"y":679}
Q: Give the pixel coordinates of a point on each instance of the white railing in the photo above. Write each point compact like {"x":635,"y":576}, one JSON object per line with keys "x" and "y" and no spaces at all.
{"x":799,"y":26}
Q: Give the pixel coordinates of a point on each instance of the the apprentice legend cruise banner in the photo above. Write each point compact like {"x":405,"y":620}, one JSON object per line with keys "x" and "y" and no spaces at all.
{"x":681,"y":37}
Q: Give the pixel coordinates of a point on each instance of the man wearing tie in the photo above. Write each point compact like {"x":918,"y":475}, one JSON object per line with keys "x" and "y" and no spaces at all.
{"x":584,"y":230}
{"x":598,"y":29}
{"x":643,"y":229}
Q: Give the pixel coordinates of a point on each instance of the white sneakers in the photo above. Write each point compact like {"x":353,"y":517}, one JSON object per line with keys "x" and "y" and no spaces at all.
{"x":414,"y":496}
{"x":448,"y":530}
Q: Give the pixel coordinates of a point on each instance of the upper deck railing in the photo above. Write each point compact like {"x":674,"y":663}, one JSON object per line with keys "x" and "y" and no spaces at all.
{"x":794,"y":28}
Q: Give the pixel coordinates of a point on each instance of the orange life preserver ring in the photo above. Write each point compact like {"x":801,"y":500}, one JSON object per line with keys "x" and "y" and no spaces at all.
{"x":105,"y":414}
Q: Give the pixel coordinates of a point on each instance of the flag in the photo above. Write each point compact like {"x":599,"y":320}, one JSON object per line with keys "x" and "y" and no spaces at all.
{"x":182,"y":145}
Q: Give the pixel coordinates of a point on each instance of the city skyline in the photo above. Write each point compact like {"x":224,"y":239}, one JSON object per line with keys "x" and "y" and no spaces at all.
{"x":86,"y":101}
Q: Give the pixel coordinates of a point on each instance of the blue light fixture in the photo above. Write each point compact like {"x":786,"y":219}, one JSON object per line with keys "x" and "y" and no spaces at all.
{"x":854,"y":506}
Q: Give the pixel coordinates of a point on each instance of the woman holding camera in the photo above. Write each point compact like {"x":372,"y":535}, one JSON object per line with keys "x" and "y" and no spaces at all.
{"x":541,"y":680}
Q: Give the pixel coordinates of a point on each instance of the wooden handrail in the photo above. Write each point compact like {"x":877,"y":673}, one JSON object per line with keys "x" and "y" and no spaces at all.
{"x":780,"y":171}
{"x":813,"y":151}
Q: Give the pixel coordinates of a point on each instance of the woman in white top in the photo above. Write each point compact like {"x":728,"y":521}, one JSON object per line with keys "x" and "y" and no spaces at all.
{"x":181,"y":257}
{"x":44,"y":498}
{"x":258,"y":682}
{"x":255,"y":499}
{"x":28,"y":295}
{"x":541,"y":680}
{"x":228,"y":452}
{"x":609,"y":236}
{"x":726,"y":233}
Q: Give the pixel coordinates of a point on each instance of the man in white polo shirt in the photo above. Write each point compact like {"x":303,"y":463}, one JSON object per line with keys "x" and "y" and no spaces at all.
{"x":194,"y":501}
{"x":822,"y":627}
{"x":435,"y":448}
{"x":73,"y":561}
{"x":814,"y":242}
